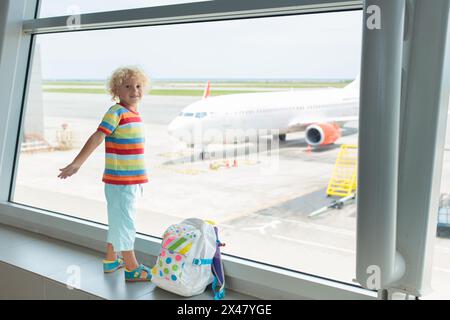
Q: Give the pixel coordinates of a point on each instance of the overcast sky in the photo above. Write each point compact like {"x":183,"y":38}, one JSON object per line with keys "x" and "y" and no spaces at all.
{"x":319,"y":46}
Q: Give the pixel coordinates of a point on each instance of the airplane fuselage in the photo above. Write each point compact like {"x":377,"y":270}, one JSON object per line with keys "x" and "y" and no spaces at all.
{"x":281,"y":112}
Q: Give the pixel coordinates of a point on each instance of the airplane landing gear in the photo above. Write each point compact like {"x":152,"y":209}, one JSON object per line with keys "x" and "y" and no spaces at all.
{"x":195,"y":150}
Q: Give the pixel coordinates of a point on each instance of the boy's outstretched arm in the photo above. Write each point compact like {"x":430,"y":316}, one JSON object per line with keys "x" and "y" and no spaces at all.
{"x":91,"y":144}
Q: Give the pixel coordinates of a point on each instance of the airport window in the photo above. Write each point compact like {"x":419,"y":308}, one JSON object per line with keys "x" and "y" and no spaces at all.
{"x":271,"y":205}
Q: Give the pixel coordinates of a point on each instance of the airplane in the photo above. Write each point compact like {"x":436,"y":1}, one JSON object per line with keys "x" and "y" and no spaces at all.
{"x":319,"y":112}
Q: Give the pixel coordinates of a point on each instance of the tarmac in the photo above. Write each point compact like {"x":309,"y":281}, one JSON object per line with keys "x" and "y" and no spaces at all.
{"x":261,"y":204}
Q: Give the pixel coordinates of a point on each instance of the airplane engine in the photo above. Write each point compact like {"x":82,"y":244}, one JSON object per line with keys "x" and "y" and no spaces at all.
{"x":322,"y":134}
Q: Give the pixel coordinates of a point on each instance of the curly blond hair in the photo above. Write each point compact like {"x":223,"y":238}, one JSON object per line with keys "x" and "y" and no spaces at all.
{"x":123,"y":74}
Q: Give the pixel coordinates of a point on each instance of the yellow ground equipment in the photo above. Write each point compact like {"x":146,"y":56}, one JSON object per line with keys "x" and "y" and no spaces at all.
{"x":343,"y":181}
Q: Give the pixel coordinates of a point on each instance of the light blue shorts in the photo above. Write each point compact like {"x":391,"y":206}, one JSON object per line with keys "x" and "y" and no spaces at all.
{"x":120,"y":201}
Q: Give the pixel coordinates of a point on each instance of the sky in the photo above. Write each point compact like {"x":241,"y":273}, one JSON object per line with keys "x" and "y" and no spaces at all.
{"x":316,"y":46}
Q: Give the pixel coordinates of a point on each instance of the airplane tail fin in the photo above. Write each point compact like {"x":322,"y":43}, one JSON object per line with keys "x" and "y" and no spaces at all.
{"x":207,"y":90}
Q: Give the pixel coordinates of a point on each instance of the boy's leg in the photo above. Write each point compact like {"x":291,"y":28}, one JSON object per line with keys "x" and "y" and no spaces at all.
{"x":130,"y":260}
{"x":111,"y":255}
{"x":121,"y":212}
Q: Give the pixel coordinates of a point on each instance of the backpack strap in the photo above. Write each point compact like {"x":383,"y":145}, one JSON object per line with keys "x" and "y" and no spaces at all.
{"x":220,"y":294}
{"x":217,"y":269}
{"x":199,"y":262}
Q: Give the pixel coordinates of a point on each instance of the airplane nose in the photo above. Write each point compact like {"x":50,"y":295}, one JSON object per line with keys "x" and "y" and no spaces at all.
{"x":170,"y":128}
{"x":173,"y":127}
{"x":183,"y":130}
{"x":178,"y":126}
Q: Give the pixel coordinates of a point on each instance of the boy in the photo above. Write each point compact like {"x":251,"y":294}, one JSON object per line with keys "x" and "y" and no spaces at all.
{"x":124,"y":168}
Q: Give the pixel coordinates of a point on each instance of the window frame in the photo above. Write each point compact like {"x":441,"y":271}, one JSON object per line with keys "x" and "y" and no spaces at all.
{"x":16,"y":52}
{"x":218,"y":10}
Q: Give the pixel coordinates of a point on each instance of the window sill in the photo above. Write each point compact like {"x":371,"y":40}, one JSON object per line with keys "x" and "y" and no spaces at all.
{"x":34,"y":266}
{"x":87,"y":238}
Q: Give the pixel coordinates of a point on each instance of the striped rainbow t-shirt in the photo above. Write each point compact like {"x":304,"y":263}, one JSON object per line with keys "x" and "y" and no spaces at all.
{"x":124,"y":146}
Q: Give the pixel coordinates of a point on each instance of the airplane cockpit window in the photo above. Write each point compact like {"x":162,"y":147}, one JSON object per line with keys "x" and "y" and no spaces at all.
{"x":188,"y":114}
{"x":200,"y":114}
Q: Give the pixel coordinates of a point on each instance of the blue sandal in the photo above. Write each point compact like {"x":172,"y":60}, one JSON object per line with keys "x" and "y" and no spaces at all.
{"x":136,"y":274}
{"x":112,"y":265}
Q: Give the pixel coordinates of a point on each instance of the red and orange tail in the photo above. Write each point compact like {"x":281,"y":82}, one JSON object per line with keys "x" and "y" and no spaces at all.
{"x":207,"y":90}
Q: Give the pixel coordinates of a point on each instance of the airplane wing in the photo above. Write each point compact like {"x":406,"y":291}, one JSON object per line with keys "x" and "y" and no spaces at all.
{"x":304,"y":122}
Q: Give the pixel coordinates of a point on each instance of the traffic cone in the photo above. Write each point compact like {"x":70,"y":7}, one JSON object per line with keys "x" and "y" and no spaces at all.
{"x":235,"y":163}
{"x":308,"y":149}
{"x":228,"y":164}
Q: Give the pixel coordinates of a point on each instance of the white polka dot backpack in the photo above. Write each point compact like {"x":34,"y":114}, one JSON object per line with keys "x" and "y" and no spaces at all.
{"x":190,"y":259}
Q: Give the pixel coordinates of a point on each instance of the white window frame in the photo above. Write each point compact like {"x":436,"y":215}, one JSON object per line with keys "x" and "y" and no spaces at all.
{"x":405,"y":86}
{"x":17,"y":27}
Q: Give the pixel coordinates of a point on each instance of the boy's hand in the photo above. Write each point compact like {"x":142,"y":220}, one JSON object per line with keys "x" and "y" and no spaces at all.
{"x":71,"y":169}
{"x":93,"y":142}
